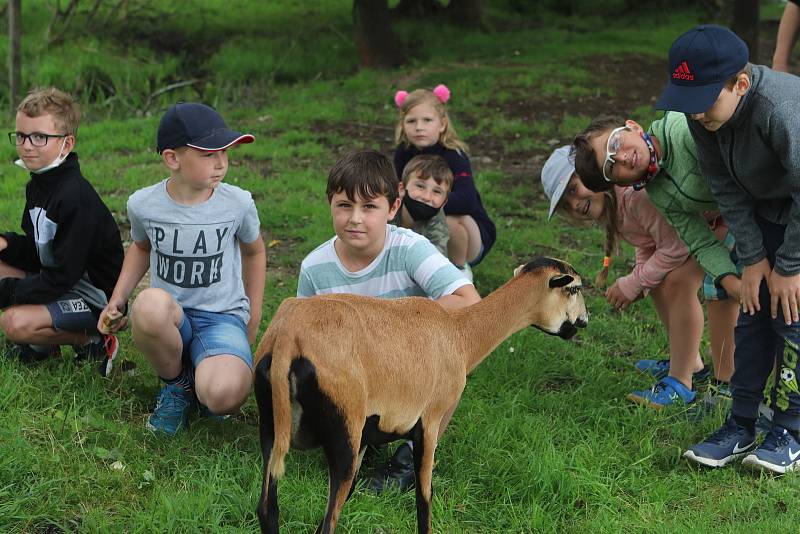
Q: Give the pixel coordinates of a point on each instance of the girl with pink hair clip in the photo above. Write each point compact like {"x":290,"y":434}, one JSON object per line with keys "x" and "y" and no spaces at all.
{"x":425,"y":128}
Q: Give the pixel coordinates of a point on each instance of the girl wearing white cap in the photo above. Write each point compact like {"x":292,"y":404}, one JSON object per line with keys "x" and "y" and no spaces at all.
{"x":664,"y":270}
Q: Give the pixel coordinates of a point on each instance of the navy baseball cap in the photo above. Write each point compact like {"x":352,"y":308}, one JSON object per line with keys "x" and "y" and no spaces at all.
{"x":198,"y":126}
{"x":700,"y":62}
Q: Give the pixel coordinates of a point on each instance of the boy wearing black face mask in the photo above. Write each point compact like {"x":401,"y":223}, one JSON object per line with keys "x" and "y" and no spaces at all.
{"x":56,"y":277}
{"x":427,"y":179}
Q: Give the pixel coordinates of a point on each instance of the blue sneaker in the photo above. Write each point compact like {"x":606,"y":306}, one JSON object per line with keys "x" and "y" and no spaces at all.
{"x":667,"y":392}
{"x":728,"y":443}
{"x":660,"y":368}
{"x":172,"y":410}
{"x":779,"y":452}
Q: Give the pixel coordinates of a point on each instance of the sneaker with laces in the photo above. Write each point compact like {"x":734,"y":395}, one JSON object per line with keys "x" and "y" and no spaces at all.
{"x":102,"y":352}
{"x":398,"y":474}
{"x":779,"y":452}
{"x":729,"y":442}
{"x":28,"y":354}
{"x":667,"y":392}
{"x":172,"y":410}
{"x":660,"y":368}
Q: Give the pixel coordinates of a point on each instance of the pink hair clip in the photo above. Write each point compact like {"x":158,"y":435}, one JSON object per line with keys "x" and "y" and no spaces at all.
{"x":442,"y":93}
{"x":400,"y":97}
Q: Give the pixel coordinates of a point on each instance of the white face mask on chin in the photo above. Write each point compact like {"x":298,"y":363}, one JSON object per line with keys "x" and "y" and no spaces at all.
{"x":55,"y":163}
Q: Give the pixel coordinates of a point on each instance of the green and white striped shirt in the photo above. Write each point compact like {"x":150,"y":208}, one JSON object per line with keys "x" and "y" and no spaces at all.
{"x":408,"y":266}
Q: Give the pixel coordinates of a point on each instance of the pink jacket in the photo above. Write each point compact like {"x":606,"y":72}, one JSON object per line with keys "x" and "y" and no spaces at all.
{"x":658,"y":247}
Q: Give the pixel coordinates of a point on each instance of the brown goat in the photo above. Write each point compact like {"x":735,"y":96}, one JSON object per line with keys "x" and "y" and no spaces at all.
{"x":345,"y":371}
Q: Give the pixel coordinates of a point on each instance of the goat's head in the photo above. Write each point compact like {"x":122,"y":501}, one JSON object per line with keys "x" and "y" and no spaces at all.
{"x":560,"y":309}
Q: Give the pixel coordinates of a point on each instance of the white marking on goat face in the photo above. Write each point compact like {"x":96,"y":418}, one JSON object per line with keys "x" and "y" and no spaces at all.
{"x":565,"y":309}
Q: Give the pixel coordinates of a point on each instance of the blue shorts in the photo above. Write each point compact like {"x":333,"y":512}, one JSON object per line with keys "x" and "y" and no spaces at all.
{"x":206,"y":334}
{"x":72,"y":313}
{"x":712,"y":290}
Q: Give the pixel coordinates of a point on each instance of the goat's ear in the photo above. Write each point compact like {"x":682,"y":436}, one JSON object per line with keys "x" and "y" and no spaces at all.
{"x":518,"y":270}
{"x":560,"y":280}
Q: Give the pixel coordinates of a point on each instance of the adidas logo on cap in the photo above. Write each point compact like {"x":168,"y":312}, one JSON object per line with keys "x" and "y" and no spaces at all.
{"x":682,"y":72}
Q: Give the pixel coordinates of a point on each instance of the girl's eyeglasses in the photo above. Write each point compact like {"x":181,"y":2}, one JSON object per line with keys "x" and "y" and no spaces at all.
{"x":36,"y":138}
{"x":612,"y":147}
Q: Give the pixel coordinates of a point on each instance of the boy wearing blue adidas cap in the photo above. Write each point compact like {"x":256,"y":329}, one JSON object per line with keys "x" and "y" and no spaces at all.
{"x":201,"y":240}
{"x":745,"y":121}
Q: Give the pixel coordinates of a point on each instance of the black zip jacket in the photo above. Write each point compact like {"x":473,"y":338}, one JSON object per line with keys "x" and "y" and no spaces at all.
{"x":71,"y":241}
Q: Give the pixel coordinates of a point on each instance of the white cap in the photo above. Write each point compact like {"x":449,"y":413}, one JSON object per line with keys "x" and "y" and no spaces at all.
{"x":557,"y":171}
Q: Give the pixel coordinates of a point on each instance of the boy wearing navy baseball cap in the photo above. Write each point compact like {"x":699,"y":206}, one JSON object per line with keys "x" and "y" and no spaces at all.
{"x":745,"y":121}
{"x":201,"y":240}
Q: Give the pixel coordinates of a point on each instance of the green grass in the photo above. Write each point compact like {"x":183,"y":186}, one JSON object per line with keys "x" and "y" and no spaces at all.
{"x":543,"y":440}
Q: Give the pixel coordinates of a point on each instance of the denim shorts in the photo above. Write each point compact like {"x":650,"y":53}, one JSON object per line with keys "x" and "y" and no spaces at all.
{"x":207,"y":334}
{"x":713,"y":290}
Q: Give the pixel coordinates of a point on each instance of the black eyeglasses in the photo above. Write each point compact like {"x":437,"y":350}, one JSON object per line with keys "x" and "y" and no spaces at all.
{"x":36,"y":138}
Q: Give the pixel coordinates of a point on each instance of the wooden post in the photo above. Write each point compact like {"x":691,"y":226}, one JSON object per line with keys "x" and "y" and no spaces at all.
{"x":14,"y":61}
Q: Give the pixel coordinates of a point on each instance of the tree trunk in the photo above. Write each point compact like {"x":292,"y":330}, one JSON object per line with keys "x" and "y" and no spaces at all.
{"x":745,"y":25}
{"x":465,"y":13}
{"x":14,"y":61}
{"x":417,"y":8}
{"x":375,"y":40}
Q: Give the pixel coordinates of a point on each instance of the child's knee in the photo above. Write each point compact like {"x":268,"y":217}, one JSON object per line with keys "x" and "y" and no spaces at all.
{"x":223,"y":395}
{"x":19,"y":324}
{"x":153,"y":309}
{"x":223,"y":390}
{"x":12,"y":324}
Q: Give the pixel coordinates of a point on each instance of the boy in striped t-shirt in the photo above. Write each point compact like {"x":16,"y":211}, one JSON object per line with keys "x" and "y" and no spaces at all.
{"x":370,"y":257}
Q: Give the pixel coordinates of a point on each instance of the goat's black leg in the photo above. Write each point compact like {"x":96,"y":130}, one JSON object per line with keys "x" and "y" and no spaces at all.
{"x":268,"y":504}
{"x":342,"y":456}
{"x":424,"y":438}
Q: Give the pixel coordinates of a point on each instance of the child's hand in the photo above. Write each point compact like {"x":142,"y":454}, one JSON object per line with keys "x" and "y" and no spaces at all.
{"x":3,"y":243}
{"x":617,"y":298}
{"x":786,"y":291}
{"x":112,"y":319}
{"x":751,"y":280}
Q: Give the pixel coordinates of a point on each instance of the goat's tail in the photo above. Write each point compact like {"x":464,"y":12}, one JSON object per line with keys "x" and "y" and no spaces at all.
{"x":284,"y":352}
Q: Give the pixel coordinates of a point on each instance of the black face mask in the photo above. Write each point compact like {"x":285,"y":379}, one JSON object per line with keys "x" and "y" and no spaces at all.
{"x":419,"y":211}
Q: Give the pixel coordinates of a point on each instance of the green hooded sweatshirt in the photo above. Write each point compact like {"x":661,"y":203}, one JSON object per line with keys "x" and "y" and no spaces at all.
{"x":681,"y":194}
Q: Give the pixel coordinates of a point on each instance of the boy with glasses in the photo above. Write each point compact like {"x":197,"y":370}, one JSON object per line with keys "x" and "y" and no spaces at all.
{"x":745,"y":121}
{"x":57,"y":276}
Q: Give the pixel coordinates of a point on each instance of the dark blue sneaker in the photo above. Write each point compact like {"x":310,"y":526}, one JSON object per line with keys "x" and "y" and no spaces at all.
{"x":728,"y":443}
{"x":102,"y":352}
{"x":779,"y":452}
{"x":29,"y":354}
{"x":667,"y":392}
{"x":172,"y":410}
{"x":660,"y":368}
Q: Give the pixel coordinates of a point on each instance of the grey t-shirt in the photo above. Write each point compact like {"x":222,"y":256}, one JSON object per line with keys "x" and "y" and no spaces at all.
{"x":194,"y":250}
